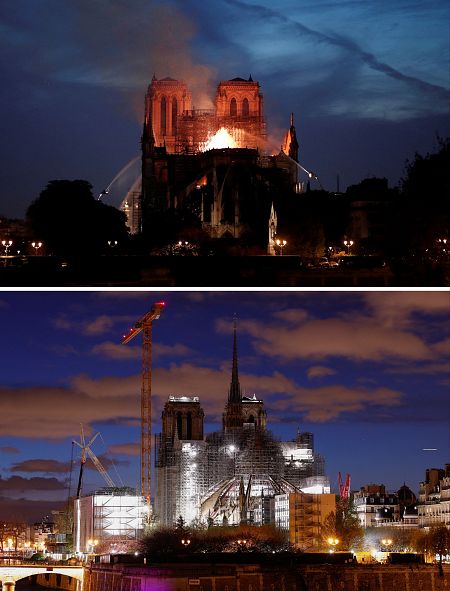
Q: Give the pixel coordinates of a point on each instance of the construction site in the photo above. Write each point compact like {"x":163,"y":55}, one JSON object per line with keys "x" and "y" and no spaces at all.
{"x":240,"y":474}
{"x":232,"y":476}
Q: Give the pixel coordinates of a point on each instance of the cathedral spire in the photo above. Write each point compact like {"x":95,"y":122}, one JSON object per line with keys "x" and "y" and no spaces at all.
{"x":234,"y":394}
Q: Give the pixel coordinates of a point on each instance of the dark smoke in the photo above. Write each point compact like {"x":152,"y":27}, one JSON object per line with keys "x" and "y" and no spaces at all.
{"x":126,"y":43}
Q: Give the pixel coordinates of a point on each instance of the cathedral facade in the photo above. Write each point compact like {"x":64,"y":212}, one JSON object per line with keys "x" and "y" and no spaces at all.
{"x":175,"y":125}
{"x":230,"y":476}
{"x":212,"y":163}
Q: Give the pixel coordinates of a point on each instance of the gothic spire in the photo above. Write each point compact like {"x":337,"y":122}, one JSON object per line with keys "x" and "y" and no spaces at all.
{"x":234,"y":394}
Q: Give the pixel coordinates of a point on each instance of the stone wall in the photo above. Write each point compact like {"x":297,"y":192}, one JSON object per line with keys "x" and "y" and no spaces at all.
{"x":57,"y":581}
{"x":201,"y":577}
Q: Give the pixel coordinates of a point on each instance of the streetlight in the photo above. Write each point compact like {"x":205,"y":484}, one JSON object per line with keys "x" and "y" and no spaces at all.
{"x":186,"y":542}
{"x":386,"y":543}
{"x":6,"y":244}
{"x":348,"y":244}
{"x":333,"y":542}
{"x":36,"y":246}
{"x":242,"y":544}
{"x":281,"y":244}
{"x":112,"y":243}
{"x":90,"y":546}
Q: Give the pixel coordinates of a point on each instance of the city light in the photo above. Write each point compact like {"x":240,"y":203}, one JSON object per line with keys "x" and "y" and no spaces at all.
{"x":348,"y":244}
{"x":333,"y":542}
{"x":281,"y":244}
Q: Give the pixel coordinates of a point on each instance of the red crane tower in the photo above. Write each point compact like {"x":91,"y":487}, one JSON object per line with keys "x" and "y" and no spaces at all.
{"x":144,"y":325}
{"x":344,"y":488}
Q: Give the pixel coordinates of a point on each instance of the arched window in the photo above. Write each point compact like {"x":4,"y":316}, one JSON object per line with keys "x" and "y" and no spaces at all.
{"x":163,"y":115}
{"x":233,"y":107}
{"x":174,"y":115}
{"x":251,"y":419}
{"x":245,"y":108}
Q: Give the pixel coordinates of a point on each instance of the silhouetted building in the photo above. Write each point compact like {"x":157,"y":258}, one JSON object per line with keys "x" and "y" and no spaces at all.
{"x":211,"y":162}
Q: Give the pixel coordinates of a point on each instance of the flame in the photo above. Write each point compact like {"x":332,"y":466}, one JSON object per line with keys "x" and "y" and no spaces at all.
{"x":221,"y":139}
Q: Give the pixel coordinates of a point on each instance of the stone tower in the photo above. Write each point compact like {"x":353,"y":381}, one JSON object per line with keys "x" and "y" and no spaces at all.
{"x":165,"y":100}
{"x":182,"y":419}
{"x":239,"y":105}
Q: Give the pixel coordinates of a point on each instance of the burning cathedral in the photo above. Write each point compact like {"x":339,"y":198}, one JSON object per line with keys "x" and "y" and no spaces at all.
{"x":231,"y":476}
{"x":212,"y":162}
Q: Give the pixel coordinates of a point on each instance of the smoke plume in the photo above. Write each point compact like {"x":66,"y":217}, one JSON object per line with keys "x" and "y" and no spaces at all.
{"x":126,"y":43}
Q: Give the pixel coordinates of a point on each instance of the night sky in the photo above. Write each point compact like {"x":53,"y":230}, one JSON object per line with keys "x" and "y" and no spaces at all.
{"x":368,"y":81}
{"x":366,"y":372}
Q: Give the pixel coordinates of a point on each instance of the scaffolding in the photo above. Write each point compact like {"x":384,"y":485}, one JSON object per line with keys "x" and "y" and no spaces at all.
{"x":196,"y":126}
{"x":204,"y":480}
{"x":110,"y":515}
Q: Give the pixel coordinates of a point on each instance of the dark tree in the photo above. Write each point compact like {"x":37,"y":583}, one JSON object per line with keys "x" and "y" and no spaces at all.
{"x":70,"y":221}
{"x":420,"y":214}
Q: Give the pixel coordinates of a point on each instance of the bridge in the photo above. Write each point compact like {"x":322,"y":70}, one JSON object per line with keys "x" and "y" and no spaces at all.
{"x":9,"y":575}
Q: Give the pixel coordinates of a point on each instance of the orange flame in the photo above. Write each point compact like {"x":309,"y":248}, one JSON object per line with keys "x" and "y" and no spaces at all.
{"x":221,"y":139}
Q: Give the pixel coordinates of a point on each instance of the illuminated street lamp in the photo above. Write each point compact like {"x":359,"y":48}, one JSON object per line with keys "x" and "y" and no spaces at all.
{"x":333,"y":542}
{"x":112,"y":243}
{"x":442,"y":244}
{"x":90,"y":546}
{"x":186,"y":542}
{"x":386,"y":543}
{"x":36,"y":246}
{"x":281,"y":244}
{"x":242,"y":544}
{"x":6,"y":245}
{"x":348,"y":244}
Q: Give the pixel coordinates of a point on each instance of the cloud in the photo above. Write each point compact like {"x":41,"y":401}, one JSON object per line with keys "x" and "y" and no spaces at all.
{"x":328,"y":403}
{"x":39,"y":465}
{"x":319,"y":371}
{"x":25,"y":509}
{"x":127,"y":449}
{"x":111,"y":45}
{"x":9,"y":449}
{"x":358,"y":339}
{"x":397,"y":307}
{"x":433,"y":91}
{"x":117,"y":399}
{"x":59,"y":411}
{"x":111,"y":350}
{"x":35,"y":483}
{"x":99,"y":325}
{"x":292,"y":315}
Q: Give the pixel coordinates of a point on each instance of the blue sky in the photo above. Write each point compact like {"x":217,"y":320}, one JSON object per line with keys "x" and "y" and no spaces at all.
{"x":368,"y":80}
{"x":366,"y":372}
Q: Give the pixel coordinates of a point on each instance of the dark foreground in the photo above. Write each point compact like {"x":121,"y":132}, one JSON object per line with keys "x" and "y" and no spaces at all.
{"x":258,"y":576}
{"x":192,"y":272}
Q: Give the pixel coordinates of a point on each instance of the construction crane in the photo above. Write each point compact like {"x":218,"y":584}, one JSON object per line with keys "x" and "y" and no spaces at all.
{"x":87,"y":451}
{"x":344,"y":488}
{"x":144,"y":325}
